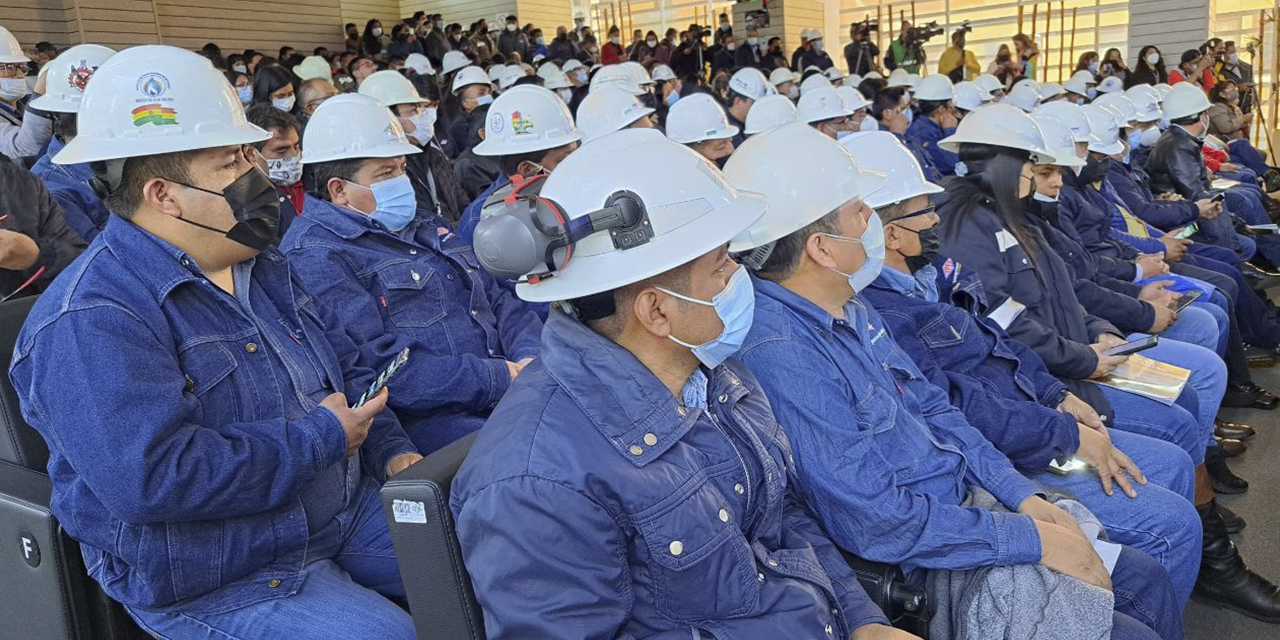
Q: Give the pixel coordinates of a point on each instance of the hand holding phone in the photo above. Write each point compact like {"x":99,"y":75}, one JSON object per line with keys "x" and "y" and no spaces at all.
{"x":1187,"y":231}
{"x":1129,"y":348}
{"x":1186,"y":299}
{"x":383,"y":378}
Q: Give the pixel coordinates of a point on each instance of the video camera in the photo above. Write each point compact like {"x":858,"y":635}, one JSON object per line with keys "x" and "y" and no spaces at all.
{"x":865,"y":27}
{"x":923,"y":33}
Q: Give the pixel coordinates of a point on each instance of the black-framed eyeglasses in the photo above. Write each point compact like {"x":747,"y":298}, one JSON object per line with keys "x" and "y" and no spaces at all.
{"x":915,"y":214}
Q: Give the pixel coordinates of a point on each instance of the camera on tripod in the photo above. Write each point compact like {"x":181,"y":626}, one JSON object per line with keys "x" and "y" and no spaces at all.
{"x":923,"y":33}
{"x":865,"y":27}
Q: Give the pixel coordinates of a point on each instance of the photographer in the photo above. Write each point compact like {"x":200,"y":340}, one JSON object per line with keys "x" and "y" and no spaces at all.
{"x":690,"y":57}
{"x":956,"y":62}
{"x":861,"y":54}
{"x":905,"y":51}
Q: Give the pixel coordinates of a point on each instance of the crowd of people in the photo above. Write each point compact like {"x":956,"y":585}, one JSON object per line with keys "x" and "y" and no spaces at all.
{"x":719,"y":314}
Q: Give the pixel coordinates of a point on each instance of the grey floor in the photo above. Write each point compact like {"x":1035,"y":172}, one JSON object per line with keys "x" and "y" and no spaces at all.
{"x":1260,"y":541}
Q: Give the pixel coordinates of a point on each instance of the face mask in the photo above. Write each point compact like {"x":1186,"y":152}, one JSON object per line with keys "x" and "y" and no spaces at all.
{"x":12,"y":88}
{"x":565,"y":95}
{"x":1043,"y":206}
{"x":440,"y":24}
{"x":377,"y":32}
{"x":424,"y":125}
{"x":239,"y":68}
{"x":1230,"y":95}
{"x":735,"y":306}
{"x":929,"y":246}
{"x":511,"y":26}
{"x":245,"y":94}
{"x":1134,"y":139}
{"x":817,"y":46}
{"x":869,"y":124}
{"x":673,"y":98}
{"x":1204,"y":127}
{"x":1163,"y":125}
{"x":724,"y":26}
{"x":255,"y":206}
{"x":1094,"y":170}
{"x":285,"y":171}
{"x":1093,"y":67}
{"x":540,"y":40}
{"x":1153,"y":59}
{"x":731,"y":46}
{"x":614,"y":40}
{"x":395,"y":205}
{"x":283,"y":104}
{"x":484,"y":99}
{"x":1233,"y":58}
{"x":1091,"y":92}
{"x":1149,"y":137}
{"x":841,"y":135}
{"x":872,"y":242}
{"x":753,"y":41}
{"x":793,"y":92}
{"x":581,"y":75}
{"x":909,"y":114}
{"x":651,"y":43}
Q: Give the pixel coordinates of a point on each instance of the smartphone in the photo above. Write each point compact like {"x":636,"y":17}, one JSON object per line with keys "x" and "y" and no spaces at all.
{"x":1186,"y":231}
{"x":1141,"y":344}
{"x":1186,"y":299}
{"x":1064,"y":466}
{"x":1217,"y":197}
{"x":383,"y":378}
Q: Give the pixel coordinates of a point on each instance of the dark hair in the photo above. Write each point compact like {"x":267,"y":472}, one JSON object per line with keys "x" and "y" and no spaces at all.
{"x":232,"y":76}
{"x":886,"y":100}
{"x":1215,"y":94}
{"x":1190,"y":55}
{"x":319,"y":174}
{"x":269,"y":79}
{"x":1158,"y":71}
{"x":599,"y":311}
{"x":1083,"y":63}
{"x":286,"y":49}
{"x":137,"y":171}
{"x":209,"y":48}
{"x":784,"y":259}
{"x":510,"y":165}
{"x":993,"y":177}
{"x":871,"y":87}
{"x":271,"y":119}
{"x":372,"y":45}
{"x":234,"y":58}
{"x":426,"y":86}
{"x":928,"y":107}
{"x":64,"y":125}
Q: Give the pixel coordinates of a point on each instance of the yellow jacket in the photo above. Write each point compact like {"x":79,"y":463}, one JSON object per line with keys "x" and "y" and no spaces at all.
{"x":951,"y":59}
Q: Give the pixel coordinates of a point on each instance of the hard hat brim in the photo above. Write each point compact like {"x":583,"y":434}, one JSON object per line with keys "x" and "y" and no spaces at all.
{"x":50,"y":102}
{"x":389,"y":150}
{"x":83,"y":148}
{"x":494,"y":147}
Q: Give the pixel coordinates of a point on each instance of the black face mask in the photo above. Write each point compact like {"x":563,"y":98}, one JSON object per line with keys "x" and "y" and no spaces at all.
{"x":649,"y":100}
{"x":1094,"y":170}
{"x":720,"y":162}
{"x":929,"y":247}
{"x":256,"y":208}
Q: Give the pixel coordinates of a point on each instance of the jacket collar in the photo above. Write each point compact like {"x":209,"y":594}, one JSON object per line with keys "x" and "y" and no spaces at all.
{"x":621,"y":398}
{"x":810,"y":314}
{"x":160,"y":266}
{"x":345,"y":224}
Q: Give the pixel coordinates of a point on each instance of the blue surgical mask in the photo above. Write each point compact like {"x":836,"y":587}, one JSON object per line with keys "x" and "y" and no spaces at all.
{"x":582,"y":75}
{"x":1163,"y":124}
{"x":1091,"y":92}
{"x":909,"y":114}
{"x":245,"y":94}
{"x":484,"y":99}
{"x":1150,"y":137}
{"x":284,"y":104}
{"x":1135,"y":138}
{"x":736,"y":306}
{"x":395,"y":204}
{"x":841,"y":135}
{"x":673,"y":98}
{"x":872,"y":242}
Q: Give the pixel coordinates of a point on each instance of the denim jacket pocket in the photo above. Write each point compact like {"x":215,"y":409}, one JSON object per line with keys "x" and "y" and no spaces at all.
{"x":702,"y":566}
{"x":208,"y":367}
{"x":414,"y":295}
{"x":945,"y":331}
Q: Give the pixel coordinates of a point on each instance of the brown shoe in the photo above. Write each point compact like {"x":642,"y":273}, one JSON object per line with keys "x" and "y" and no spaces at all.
{"x":1232,"y":430}
{"x":1231,"y":447}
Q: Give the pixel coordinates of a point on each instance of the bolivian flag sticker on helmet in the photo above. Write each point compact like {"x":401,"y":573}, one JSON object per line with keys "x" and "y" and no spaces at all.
{"x":154,"y":114}
{"x":520,"y":124}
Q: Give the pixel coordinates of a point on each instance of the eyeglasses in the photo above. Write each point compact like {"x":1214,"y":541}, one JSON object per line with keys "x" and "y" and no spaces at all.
{"x":914,"y":214}
{"x":14,"y":67}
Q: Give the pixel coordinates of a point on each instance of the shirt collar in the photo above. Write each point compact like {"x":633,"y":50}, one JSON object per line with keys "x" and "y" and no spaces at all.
{"x":810,"y":313}
{"x":923,"y":284}
{"x":348,"y":224}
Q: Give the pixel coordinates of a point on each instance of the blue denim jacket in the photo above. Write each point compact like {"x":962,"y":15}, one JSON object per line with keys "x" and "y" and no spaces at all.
{"x":1002,"y":387}
{"x":176,"y":460}
{"x":927,"y":133}
{"x":882,"y":458}
{"x":69,"y":183}
{"x":421,"y":288}
{"x":595,"y":504}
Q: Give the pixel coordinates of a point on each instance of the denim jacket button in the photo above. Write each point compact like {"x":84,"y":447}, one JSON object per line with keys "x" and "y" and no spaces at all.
{"x":724,"y":515}
{"x":724,"y":397}
{"x":415,"y":275}
{"x":676,"y":547}
{"x":829,"y":631}
{"x":474,"y":313}
{"x":413,"y":252}
{"x":739,"y":489}
{"x":635,"y":451}
{"x":252,"y":347}
{"x":682,"y":411}
{"x":273,"y":583}
{"x":773,"y":563}
{"x":650,"y":439}
{"x":759,"y":576}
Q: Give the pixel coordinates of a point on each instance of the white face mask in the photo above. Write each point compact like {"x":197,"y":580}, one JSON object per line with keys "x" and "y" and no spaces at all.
{"x":245,"y":93}
{"x":731,"y":46}
{"x":651,"y":43}
{"x":869,"y":124}
{"x":440,"y":24}
{"x":1153,"y":59}
{"x":284,"y":104}
{"x":285,"y":171}
{"x":377,"y":32}
{"x":1233,"y":58}
{"x":511,"y":26}
{"x":793,"y":92}
{"x":424,"y":125}
{"x":12,"y":89}
{"x":614,"y":40}
{"x":240,"y":68}
{"x":565,"y":94}
{"x":753,"y":41}
{"x":1150,"y":136}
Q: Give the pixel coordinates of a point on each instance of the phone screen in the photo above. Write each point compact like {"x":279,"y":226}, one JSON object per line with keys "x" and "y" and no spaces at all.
{"x":383,"y":378}
{"x":1186,"y":299}
{"x":1132,"y":347}
{"x":1186,"y":231}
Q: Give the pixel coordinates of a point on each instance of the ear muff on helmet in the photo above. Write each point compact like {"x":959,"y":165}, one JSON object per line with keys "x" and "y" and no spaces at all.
{"x":107,"y":176}
{"x":528,"y":235}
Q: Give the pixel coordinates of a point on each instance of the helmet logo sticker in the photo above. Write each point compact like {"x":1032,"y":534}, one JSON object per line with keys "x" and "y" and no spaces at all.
{"x":78,"y":79}
{"x":152,"y":107}
{"x":154,"y":114}
{"x":520,"y":124}
{"x":153,"y":85}
{"x":496,"y":123}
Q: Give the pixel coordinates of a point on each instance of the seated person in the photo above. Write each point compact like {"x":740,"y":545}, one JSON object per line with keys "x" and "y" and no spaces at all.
{"x":935,"y":119}
{"x":1004,"y":389}
{"x":201,"y":446}
{"x":634,"y":483}
{"x":987,"y":226}
{"x":280,"y":157}
{"x":400,"y":278}
{"x":884,"y":461}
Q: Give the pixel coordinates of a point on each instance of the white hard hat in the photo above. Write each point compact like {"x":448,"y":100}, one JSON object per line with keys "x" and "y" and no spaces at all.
{"x":616,"y":75}
{"x":420,"y":64}
{"x":663,"y":72}
{"x":814,"y":82}
{"x":1111,"y":84}
{"x":770,"y":112}
{"x":1079,"y":82}
{"x":881,"y":151}
{"x":898,"y":78}
{"x":10,"y":50}
{"x":1102,"y":123}
{"x":1070,"y":115}
{"x":989,"y":82}
{"x":749,"y":83}
{"x":832,"y":73}
{"x":546,"y":68}
{"x":155,"y":99}
{"x":313,"y":67}
{"x":1119,"y":104}
{"x":1162,"y":89}
{"x":573,"y":64}
{"x":1028,"y":82}
{"x":935,"y":87}
{"x":698,"y":117}
{"x":607,"y":110}
{"x":1147,"y":101}
{"x":553,"y":78}
{"x":1050,"y":90}
{"x":390,"y":88}
{"x":637,"y":72}
{"x":689,"y":208}
{"x":1059,"y":138}
{"x":1183,"y":100}
{"x":454,"y":60}
{"x":496,"y":72}
{"x":1000,"y":125}
{"x":914,"y":79}
{"x":807,"y":34}
{"x":1024,"y":97}
{"x":469,"y":76}
{"x":970,"y":95}
{"x":69,"y":74}
{"x":524,"y":119}
{"x":780,"y":76}
{"x":350,"y":126}
{"x":510,"y":75}
{"x":873,"y":74}
{"x":821,"y":104}
{"x":803,"y":175}
{"x":852,"y":98}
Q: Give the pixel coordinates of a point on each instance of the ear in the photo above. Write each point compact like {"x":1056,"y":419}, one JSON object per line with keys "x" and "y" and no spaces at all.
{"x":818,"y":249}
{"x":650,"y":310}
{"x":892,"y":241}
{"x":337,"y":189}
{"x":160,"y":196}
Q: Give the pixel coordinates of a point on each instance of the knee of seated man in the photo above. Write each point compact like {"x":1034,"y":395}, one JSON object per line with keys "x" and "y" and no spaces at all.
{"x":1138,"y":576}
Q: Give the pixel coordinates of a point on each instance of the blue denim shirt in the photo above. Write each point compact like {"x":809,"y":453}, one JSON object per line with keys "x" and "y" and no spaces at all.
{"x":1002,"y":387}
{"x":927,"y":133}
{"x":176,"y":459}
{"x":882,"y":458}
{"x":595,"y":504}
{"x":69,"y":183}
{"x":421,"y":288}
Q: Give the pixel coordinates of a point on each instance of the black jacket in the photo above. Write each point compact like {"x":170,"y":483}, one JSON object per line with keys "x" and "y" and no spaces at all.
{"x":31,"y":210}
{"x":1176,"y":165}
{"x":749,"y":56}
{"x":860,"y":64}
{"x":475,"y":173}
{"x":435,"y":183}
{"x":514,"y":42}
{"x":436,"y":46}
